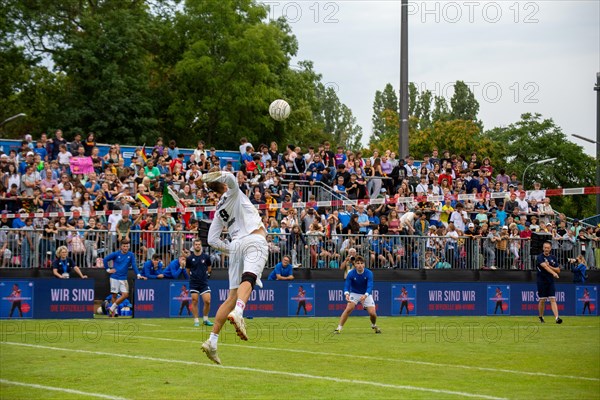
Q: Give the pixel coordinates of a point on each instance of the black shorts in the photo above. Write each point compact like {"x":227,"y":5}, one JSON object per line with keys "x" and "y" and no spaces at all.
{"x":546,"y":289}
{"x":199,"y":287}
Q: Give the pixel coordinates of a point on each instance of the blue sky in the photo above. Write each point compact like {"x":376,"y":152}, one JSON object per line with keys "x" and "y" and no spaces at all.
{"x":517,"y":56}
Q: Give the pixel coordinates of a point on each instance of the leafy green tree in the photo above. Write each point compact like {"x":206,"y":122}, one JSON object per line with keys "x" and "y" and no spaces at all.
{"x":441,"y":112}
{"x":386,"y":100}
{"x":534,"y":138}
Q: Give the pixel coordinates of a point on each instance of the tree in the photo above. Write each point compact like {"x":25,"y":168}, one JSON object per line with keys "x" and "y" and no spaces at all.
{"x":457,"y":136}
{"x":99,"y":53}
{"x":441,"y":112}
{"x":533,"y":139}
{"x":385,"y":100}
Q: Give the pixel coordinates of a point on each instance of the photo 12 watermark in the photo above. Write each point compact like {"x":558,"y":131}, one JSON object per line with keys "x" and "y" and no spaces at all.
{"x":68,"y":332}
{"x":319,"y":12}
{"x":488,"y":92}
{"x":491,"y":12}
{"x":468,"y":332}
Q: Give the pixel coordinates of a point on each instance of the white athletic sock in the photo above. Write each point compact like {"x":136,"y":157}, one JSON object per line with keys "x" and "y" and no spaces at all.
{"x":205,"y":318}
{"x":373,"y":325}
{"x":339,"y":328}
{"x":239,"y":307}
{"x":113,"y":307}
{"x":213,"y":339}
{"x":196,"y":320}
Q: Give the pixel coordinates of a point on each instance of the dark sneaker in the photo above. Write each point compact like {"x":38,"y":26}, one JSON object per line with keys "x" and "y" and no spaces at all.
{"x":558,"y":320}
{"x":377,"y":330}
{"x":541,"y":319}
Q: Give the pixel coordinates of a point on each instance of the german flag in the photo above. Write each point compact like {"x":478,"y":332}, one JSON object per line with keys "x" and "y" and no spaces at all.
{"x":143,"y":153}
{"x":145,"y":199}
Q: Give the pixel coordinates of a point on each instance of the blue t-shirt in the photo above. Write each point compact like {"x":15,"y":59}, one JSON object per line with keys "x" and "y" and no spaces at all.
{"x":542,"y":274}
{"x":121,"y":263}
{"x":198,"y":266}
{"x":281,"y":270}
{"x":359,"y":283}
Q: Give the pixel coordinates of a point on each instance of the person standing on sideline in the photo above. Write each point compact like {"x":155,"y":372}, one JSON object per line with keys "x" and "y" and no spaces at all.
{"x":199,"y":269}
{"x":121,"y":261}
{"x":547,"y":271}
{"x":359,"y":289}
{"x":248,"y":252}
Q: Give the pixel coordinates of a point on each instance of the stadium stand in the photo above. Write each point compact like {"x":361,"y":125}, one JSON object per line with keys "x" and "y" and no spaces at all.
{"x":445,"y":212}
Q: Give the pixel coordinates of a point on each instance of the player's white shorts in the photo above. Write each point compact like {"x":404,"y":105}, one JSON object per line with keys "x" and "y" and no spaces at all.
{"x":369,"y":302}
{"x":117,"y":286}
{"x":248,"y":254}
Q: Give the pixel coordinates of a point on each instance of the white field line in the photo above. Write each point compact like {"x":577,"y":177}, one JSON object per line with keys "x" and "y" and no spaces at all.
{"x":263,"y":371}
{"x":432,"y":364}
{"x":59,"y":389}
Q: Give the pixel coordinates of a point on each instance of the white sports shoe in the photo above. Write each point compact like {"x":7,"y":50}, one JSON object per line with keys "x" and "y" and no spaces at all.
{"x":210,"y":352}
{"x":238,"y":322}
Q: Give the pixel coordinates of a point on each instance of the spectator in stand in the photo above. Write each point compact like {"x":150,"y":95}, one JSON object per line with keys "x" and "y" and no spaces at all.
{"x":56,"y":143}
{"x":446,"y":175}
{"x":244,"y":144}
{"x":340,"y":156}
{"x":459,"y":218}
{"x":283,"y":270}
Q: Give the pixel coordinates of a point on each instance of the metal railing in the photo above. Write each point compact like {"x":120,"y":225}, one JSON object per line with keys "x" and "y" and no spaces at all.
{"x":36,"y":249}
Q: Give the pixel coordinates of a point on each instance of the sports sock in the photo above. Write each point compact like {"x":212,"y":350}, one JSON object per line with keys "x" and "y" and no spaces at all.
{"x":205,"y":318}
{"x":213,"y":339}
{"x":339,"y":328}
{"x":196,"y":320}
{"x":239,"y":307}
{"x":113,"y":307}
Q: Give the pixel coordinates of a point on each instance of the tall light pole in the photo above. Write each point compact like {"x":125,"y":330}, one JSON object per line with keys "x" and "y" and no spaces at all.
{"x":536,"y":163}
{"x":403,"y":129}
{"x":7,"y":120}
{"x":597,"y":89}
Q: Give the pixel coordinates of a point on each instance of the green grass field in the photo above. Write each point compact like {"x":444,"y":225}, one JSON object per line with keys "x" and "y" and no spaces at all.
{"x":421,"y":357}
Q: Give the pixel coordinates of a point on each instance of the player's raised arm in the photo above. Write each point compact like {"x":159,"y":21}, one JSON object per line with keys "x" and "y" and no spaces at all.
{"x":214,"y":236}
{"x":221,"y":176}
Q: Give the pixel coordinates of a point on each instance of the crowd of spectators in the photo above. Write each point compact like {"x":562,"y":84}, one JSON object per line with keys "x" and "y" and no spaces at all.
{"x":410,"y":228}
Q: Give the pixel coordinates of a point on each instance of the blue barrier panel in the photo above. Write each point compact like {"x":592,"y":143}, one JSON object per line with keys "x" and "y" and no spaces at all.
{"x":74,"y":298}
{"x":301,"y":299}
{"x":586,"y":299}
{"x":451,"y":298}
{"x":498,"y":300}
{"x":524,"y":299}
{"x":64,"y":298}
{"x":404,"y":299}
{"x":151,"y":298}
{"x":16,"y":299}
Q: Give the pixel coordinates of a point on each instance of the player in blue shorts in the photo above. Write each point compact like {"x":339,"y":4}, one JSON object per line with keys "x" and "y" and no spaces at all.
{"x":359,"y":289}
{"x":547,"y":271}
{"x":199,"y":268}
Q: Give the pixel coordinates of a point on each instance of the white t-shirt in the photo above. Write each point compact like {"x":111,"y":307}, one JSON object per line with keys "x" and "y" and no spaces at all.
{"x":64,"y":158}
{"x":113,"y":220}
{"x":243,"y":147}
{"x":234,"y":211}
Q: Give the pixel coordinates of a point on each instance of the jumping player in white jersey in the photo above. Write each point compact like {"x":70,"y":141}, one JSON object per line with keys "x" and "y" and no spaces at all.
{"x":247,"y":251}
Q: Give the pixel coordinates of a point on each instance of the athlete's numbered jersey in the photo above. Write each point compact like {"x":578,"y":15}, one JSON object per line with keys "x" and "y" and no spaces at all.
{"x":234,"y":210}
